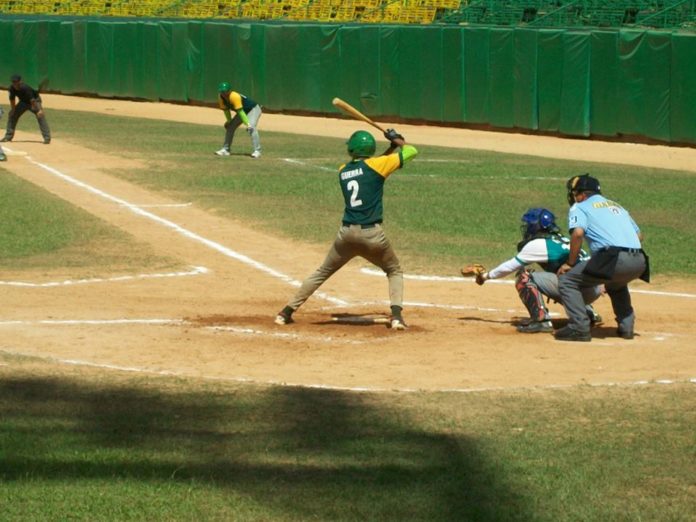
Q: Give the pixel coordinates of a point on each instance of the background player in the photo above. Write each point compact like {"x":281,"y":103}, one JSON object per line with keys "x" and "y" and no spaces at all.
{"x":247,"y":111}
{"x":29,"y":100}
{"x":543,"y":244}
{"x":361,"y":234}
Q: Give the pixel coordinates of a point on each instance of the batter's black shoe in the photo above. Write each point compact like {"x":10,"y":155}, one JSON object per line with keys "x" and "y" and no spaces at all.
{"x":569,"y":334}
{"x":536,"y":327}
{"x":397,"y":323}
{"x":284,"y":316}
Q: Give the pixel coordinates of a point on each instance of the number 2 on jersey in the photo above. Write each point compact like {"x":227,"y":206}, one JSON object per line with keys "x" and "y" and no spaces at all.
{"x":354,"y":188}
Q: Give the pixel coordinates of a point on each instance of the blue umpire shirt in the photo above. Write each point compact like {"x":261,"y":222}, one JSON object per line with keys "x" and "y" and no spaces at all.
{"x":605,"y":222}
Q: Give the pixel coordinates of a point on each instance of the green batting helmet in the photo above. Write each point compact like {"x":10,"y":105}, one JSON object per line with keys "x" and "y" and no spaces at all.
{"x":224,"y":87}
{"x":361,"y":144}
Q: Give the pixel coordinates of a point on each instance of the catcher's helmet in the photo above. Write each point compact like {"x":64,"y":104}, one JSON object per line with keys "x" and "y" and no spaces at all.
{"x":537,"y":220}
{"x":583,"y":183}
{"x":224,"y":87}
{"x":361,"y":144}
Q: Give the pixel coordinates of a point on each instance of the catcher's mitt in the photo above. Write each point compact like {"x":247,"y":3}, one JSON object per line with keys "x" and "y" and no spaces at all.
{"x":476,"y":270}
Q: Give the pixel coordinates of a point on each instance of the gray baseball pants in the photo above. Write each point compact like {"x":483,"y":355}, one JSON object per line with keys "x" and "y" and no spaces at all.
{"x":629,"y":266}
{"x":254,"y":115}
{"x":17,"y":113}
{"x":351,"y":241}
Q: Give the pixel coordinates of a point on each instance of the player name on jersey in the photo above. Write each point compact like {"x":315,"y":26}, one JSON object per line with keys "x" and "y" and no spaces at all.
{"x":348,"y":174}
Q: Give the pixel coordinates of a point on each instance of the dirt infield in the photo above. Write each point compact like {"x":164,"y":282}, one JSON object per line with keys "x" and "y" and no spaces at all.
{"x":215,"y":320}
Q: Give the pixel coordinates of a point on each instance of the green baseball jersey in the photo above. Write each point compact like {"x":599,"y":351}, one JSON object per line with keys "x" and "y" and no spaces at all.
{"x":235,"y":101}
{"x":362,"y":184}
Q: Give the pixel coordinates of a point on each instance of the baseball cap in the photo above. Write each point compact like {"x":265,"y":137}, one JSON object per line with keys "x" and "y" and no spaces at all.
{"x":16,"y":78}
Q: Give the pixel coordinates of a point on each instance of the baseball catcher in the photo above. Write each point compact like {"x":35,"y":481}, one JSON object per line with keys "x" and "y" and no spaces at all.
{"x":543,"y":244}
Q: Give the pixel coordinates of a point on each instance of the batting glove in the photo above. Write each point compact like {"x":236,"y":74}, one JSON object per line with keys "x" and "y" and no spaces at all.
{"x":250,"y":130}
{"x":392,"y":135}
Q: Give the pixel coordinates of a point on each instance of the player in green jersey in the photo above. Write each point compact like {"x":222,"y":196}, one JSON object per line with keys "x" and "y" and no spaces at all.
{"x":247,"y":112}
{"x":361,"y":233}
{"x":543,"y":244}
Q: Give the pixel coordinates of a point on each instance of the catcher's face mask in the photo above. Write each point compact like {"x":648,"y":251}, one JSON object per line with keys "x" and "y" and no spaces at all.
{"x":537,"y":220}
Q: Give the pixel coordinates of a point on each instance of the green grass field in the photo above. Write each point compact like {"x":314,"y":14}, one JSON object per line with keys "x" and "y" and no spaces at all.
{"x":447,"y":206}
{"x":39,"y":231}
{"x":82,"y":447}
{"x":97,"y":445}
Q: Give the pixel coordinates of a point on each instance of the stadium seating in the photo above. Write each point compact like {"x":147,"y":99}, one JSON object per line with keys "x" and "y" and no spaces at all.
{"x":532,"y":13}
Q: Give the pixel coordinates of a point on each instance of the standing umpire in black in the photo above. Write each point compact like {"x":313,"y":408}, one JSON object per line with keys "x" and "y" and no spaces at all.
{"x":617,"y":258}
{"x":29,"y":100}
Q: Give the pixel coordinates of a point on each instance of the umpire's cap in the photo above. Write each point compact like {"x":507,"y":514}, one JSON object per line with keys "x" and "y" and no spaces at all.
{"x":582,"y":183}
{"x":16,"y":78}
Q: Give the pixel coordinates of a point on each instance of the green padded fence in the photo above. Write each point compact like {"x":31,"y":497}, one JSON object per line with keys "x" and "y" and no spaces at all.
{"x":576,"y":82}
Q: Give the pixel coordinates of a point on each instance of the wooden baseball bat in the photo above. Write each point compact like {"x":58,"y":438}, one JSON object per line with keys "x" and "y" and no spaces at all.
{"x":355,"y":113}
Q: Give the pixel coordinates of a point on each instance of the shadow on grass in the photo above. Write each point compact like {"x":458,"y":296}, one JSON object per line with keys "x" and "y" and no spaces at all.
{"x":301,"y":453}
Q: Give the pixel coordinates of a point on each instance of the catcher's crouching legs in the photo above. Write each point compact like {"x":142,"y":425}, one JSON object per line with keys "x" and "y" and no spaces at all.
{"x":533,"y":301}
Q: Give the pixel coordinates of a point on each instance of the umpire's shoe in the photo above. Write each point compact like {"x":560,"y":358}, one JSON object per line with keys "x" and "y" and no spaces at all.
{"x":624,"y":334}
{"x":570,"y":334}
{"x":5,"y":138}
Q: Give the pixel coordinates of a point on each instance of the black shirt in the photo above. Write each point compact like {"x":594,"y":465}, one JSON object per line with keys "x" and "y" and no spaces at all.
{"x":23,"y":92}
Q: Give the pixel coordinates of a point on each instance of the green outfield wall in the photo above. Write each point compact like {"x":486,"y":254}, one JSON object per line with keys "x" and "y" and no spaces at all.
{"x":605,"y":83}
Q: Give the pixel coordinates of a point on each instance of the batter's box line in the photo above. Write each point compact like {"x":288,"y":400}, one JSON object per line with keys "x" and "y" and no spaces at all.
{"x":354,"y":389}
{"x":196,"y":270}
{"x":237,"y":330}
{"x":284,"y":335}
{"x":459,"y":279}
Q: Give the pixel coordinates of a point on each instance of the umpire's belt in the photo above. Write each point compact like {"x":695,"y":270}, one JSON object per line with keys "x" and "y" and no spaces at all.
{"x":622,"y":249}
{"x":368,"y":225}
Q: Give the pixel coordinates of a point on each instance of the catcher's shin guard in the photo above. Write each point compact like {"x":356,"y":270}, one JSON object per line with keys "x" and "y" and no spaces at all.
{"x":531,"y":297}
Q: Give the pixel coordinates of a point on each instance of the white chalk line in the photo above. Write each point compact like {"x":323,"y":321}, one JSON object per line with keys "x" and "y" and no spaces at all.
{"x":238,"y":330}
{"x":458,"y":279}
{"x":93,"y":322}
{"x":356,"y":389}
{"x":285,"y":335}
{"x":181,"y":230}
{"x":196,"y":270}
{"x":305,"y":164}
{"x":302,"y":163}
{"x":164,"y":205}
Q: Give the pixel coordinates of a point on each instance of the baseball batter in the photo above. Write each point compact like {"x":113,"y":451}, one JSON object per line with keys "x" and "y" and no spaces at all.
{"x":543,"y":244}
{"x":29,"y":100}
{"x":246,"y":110}
{"x":617,"y":258}
{"x":361,"y":233}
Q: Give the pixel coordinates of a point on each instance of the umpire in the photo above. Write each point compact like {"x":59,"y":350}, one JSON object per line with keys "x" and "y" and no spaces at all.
{"x":617,"y":258}
{"x":29,"y":100}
